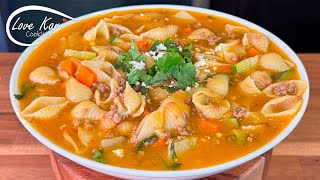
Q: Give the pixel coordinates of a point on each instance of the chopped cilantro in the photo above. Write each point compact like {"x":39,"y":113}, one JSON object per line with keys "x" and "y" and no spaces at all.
{"x":184,"y":74}
{"x":132,"y":55}
{"x":168,"y":61}
{"x":98,"y":156}
{"x":24,"y":90}
{"x":154,"y":46}
{"x":35,"y":96}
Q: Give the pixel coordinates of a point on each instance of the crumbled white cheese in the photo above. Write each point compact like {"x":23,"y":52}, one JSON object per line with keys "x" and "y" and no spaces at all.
{"x":118,"y":152}
{"x":200,"y":63}
{"x":141,"y":14}
{"x":207,"y":70}
{"x":161,"y":47}
{"x":138,"y":65}
{"x":196,"y":84}
{"x":180,"y":48}
{"x":144,"y":85}
{"x":137,"y":83}
{"x":220,"y":47}
{"x":188,"y":88}
{"x":159,"y":55}
{"x":147,"y":54}
{"x":172,"y":82}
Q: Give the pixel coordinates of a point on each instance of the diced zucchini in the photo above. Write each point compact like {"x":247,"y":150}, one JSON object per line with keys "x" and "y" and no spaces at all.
{"x":141,"y":144}
{"x":80,"y":55}
{"x":245,"y":65}
{"x":234,"y":122}
{"x":238,"y":136}
{"x":284,"y":75}
{"x":115,"y":40}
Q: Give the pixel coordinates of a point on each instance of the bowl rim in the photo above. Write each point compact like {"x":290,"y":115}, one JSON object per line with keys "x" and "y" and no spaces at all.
{"x":128,"y":172}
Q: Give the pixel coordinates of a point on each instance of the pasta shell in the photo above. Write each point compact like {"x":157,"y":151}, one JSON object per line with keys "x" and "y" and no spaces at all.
{"x":120,"y":28}
{"x":85,"y":136}
{"x":77,"y":92}
{"x":132,"y":100}
{"x":210,"y":104}
{"x":282,"y":106}
{"x":103,"y":102}
{"x":233,"y":51}
{"x":161,"y":33}
{"x":299,"y":86}
{"x":184,"y":15}
{"x":175,"y":115}
{"x":105,"y":54}
{"x":45,"y":107}
{"x":125,"y":128}
{"x":261,"y":79}
{"x":131,"y":36}
{"x":87,"y":110}
{"x":178,"y":97}
{"x":202,"y":33}
{"x":105,"y":143}
{"x":100,"y":29}
{"x":240,"y":30}
{"x":102,"y":65}
{"x":150,"y":123}
{"x":258,"y":41}
{"x":249,"y":87}
{"x":219,"y":84}
{"x":44,"y":75}
{"x":273,"y":62}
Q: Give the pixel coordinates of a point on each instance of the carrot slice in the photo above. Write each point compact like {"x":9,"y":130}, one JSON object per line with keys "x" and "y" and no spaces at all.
{"x":208,"y":126}
{"x":142,"y":45}
{"x":86,"y":76}
{"x":187,"y":30}
{"x":160,"y":143}
{"x":69,"y":67}
{"x":252,"y":52}
{"x":224,"y":68}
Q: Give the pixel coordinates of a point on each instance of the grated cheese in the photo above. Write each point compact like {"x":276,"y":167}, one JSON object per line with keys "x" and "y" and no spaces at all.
{"x":138,"y":65}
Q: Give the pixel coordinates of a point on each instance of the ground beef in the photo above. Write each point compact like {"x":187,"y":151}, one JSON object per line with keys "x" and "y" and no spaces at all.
{"x":185,"y":116}
{"x":115,"y":31}
{"x":239,"y":112}
{"x":100,"y":87}
{"x":285,"y":89}
{"x":182,"y":131}
{"x":213,"y":39}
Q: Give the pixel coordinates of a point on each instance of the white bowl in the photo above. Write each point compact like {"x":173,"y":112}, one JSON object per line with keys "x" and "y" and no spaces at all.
{"x":178,"y":174}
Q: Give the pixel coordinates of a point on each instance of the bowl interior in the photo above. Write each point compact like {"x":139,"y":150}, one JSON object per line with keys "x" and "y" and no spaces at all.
{"x":181,"y":174}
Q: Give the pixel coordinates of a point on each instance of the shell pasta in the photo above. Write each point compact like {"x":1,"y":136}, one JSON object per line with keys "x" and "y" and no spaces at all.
{"x":159,"y":89}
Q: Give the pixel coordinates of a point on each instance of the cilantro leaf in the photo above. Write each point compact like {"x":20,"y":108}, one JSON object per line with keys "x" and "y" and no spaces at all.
{"x":98,"y":156}
{"x":159,"y":77}
{"x":123,"y":61}
{"x":24,"y":90}
{"x":139,"y":76}
{"x":170,"y":46}
{"x":169,"y":61}
{"x":186,"y":52}
{"x":184,"y":74}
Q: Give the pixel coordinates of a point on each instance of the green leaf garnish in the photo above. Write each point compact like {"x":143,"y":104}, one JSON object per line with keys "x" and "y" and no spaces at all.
{"x":98,"y":156}
{"x":24,"y":90}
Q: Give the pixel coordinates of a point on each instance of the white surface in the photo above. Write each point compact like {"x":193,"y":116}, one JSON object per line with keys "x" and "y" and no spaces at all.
{"x":178,"y":174}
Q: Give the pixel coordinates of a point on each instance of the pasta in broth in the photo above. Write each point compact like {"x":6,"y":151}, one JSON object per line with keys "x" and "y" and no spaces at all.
{"x":159,"y":89}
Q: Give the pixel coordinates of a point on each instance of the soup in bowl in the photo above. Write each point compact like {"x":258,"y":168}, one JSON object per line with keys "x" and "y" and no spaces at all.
{"x":156,"y":91}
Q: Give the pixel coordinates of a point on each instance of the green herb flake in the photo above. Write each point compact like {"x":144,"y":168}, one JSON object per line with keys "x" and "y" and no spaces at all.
{"x":98,"y":156}
{"x":174,"y":157}
{"x":24,"y":90}
{"x":139,"y":147}
{"x":35,"y":96}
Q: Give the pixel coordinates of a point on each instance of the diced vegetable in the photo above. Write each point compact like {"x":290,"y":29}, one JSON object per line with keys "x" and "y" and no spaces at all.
{"x":184,"y":145}
{"x":81,"y":55}
{"x":234,"y":122}
{"x":252,"y":52}
{"x":238,"y":136}
{"x":160,"y":143}
{"x":26,"y":88}
{"x":208,"y":126}
{"x":284,"y":75}
{"x":245,"y":65}
{"x":125,"y":128}
{"x":139,"y":147}
{"x":112,"y":141}
{"x":86,"y":76}
{"x":187,"y":30}
{"x":223,"y":69}
{"x":98,"y":156}
{"x":142,"y":45}
{"x":69,"y":67}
